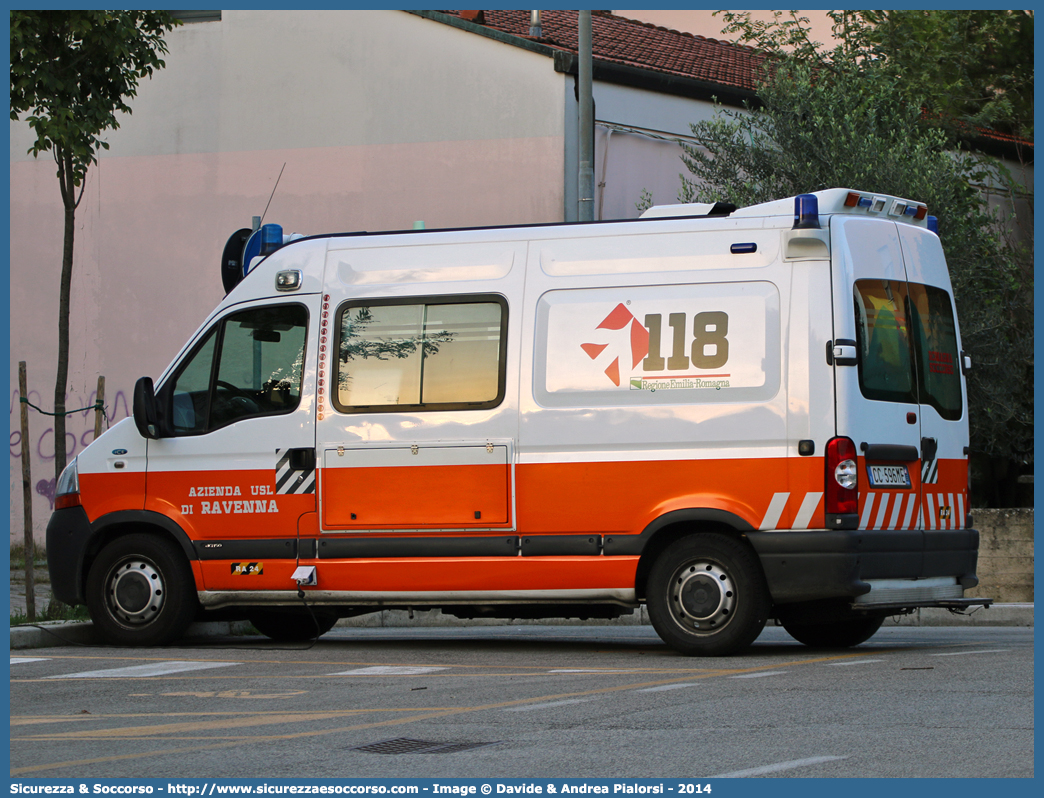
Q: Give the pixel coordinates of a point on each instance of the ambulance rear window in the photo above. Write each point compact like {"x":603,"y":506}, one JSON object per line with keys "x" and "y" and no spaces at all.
{"x":907,"y":343}
{"x":939,"y":377}
{"x":429,"y":354}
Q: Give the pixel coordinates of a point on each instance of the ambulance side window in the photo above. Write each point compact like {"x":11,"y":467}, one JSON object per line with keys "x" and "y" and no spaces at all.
{"x":192,"y":390}
{"x":421,"y":354}
{"x":250,"y":364}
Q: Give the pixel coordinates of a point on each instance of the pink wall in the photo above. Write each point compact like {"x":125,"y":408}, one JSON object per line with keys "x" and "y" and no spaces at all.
{"x":149,"y":236}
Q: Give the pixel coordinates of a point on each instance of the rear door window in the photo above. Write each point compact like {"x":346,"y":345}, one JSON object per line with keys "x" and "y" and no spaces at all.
{"x":907,"y":343}
{"x":883,"y":334}
{"x":939,"y":380}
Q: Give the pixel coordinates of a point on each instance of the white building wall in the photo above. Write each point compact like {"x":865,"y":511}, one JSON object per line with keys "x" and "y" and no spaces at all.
{"x":381,"y":118}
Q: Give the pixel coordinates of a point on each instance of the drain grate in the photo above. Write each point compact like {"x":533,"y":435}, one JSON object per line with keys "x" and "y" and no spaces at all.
{"x":404,"y":745}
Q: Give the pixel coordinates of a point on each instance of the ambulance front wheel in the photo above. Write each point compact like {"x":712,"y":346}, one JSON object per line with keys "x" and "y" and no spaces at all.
{"x":140,"y":591}
{"x":707,"y":595}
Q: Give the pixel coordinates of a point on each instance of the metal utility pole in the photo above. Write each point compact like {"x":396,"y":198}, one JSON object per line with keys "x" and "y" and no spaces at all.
{"x":585,"y":200}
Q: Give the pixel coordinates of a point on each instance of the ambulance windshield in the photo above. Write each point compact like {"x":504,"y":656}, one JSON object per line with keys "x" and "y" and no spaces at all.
{"x":907,"y":345}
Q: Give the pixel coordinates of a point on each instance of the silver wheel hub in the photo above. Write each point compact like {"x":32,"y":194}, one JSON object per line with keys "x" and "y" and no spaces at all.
{"x":703,"y":596}
{"x":135,"y":592}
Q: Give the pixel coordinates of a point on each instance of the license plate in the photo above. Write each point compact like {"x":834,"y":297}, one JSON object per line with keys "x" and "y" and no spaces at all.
{"x":889,"y":476}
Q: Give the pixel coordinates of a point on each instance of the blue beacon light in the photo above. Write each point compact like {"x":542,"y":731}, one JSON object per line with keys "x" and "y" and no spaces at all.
{"x":271,"y":238}
{"x":806,"y":212}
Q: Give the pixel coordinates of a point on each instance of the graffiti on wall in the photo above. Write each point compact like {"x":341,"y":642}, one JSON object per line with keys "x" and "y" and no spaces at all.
{"x":79,"y":431}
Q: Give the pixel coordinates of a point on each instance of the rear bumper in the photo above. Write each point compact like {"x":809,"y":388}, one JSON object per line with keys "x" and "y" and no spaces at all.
{"x":813,"y":565}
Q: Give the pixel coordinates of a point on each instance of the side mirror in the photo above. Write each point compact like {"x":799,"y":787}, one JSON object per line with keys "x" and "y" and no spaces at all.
{"x":146,"y":418}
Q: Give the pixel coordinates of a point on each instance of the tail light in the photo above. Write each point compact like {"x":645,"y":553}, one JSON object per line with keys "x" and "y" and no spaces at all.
{"x":842,"y":477}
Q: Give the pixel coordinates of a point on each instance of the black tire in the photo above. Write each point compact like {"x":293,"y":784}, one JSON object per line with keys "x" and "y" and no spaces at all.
{"x":838,"y":634}
{"x":140,"y":591}
{"x":292,"y":626}
{"x":707,"y":595}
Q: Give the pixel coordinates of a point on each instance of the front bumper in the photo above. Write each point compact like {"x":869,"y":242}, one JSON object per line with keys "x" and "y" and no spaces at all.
{"x":68,"y":533}
{"x":812,"y":565}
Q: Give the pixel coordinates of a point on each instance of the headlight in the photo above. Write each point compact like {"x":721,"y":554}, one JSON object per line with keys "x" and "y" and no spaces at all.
{"x":67,"y":491}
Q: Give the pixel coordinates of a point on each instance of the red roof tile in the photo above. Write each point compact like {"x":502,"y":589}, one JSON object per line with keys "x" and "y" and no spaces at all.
{"x":631,"y":43}
{"x":625,"y":41}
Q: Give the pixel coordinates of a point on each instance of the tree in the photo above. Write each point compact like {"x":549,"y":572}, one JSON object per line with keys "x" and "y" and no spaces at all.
{"x":972,"y":68}
{"x":978,"y":63}
{"x":850,"y":116}
{"x":71,"y":73}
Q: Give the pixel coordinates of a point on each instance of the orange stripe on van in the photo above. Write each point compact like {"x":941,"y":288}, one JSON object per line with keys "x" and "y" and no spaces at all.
{"x":477,"y":573}
{"x":458,"y":496}
{"x":422,"y":574}
{"x":110,"y":492}
{"x":625,"y":497}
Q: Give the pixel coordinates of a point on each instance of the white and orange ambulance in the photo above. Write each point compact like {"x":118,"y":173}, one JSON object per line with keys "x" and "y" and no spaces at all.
{"x":728,"y":415}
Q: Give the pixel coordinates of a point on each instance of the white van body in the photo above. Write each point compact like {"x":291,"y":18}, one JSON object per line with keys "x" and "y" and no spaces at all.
{"x":727,"y":414}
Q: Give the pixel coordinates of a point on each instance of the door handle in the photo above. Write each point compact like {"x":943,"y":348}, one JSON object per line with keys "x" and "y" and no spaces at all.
{"x":929,"y":447}
{"x":302,"y":459}
{"x":841,"y":352}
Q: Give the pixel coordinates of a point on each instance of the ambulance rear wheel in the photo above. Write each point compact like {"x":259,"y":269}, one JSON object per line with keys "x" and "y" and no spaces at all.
{"x":292,"y":627}
{"x":839,"y":634}
{"x":140,"y":591}
{"x":707,"y":596}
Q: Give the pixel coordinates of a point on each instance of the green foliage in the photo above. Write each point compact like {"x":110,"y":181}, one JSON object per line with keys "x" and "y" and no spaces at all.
{"x":979,"y":64}
{"x":72,"y":72}
{"x":846,"y":117}
{"x":967,"y":68}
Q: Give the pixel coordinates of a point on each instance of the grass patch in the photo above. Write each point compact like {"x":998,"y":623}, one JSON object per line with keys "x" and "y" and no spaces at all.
{"x":18,"y":557}
{"x":55,"y":611}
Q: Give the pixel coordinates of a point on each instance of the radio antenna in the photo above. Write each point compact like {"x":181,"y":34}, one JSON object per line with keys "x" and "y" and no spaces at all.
{"x":273,"y":191}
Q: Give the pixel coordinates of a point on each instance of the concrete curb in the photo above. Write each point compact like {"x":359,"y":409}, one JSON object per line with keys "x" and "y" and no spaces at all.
{"x":72,"y":633}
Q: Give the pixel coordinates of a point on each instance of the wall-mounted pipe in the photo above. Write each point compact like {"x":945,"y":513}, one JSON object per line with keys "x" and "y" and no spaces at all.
{"x":585,"y":198}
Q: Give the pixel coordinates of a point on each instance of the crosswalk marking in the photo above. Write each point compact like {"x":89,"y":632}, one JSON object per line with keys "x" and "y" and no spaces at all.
{"x":853,"y":662}
{"x":663,"y":687}
{"x":389,"y":670}
{"x":757,"y":675}
{"x":139,"y":671}
{"x":28,"y":659}
{"x":764,"y":769}
{"x":546,"y":705}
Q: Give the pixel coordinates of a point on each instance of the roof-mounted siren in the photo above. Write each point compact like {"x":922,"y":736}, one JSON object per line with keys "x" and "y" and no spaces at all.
{"x":232,"y":258}
{"x":806,"y":212}
{"x":246,"y":247}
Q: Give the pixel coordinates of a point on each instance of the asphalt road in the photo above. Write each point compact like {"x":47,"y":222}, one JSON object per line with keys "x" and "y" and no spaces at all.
{"x":527,"y":702}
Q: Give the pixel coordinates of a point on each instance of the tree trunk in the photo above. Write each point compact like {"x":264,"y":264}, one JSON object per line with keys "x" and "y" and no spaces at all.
{"x":61,"y":383}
